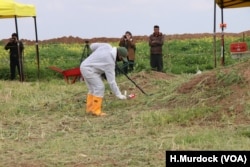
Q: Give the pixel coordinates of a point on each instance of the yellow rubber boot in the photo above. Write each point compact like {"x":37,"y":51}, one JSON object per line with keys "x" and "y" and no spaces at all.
{"x":89,"y":103}
{"x":96,"y":108}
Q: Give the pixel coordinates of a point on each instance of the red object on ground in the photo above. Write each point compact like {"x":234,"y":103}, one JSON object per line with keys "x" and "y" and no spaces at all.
{"x":131,"y":96}
{"x":73,"y":72}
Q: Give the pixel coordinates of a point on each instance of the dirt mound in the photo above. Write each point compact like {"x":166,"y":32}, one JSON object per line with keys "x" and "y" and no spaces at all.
{"x":226,"y":88}
{"x":145,"y":81}
{"x":71,"y":39}
{"x":206,"y":79}
{"x":143,"y":75}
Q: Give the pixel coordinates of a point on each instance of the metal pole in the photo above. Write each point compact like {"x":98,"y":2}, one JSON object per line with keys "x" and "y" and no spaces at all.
{"x":215,"y":59}
{"x":222,"y":39}
{"x":19,"y":54}
{"x":37,"y":50}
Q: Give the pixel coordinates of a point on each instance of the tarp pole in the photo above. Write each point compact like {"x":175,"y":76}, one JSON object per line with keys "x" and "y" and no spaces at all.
{"x":222,"y":39}
{"x":37,"y":49}
{"x":16,"y":27}
{"x":20,"y":57}
{"x":215,"y":60}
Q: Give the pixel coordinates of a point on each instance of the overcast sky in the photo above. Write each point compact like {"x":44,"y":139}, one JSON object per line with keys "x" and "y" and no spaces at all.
{"x":111,"y":18}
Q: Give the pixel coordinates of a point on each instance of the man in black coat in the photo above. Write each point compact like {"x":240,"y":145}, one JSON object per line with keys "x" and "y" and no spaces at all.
{"x":15,"y":48}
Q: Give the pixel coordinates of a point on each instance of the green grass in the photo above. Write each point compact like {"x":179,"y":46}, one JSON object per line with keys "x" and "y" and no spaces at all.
{"x":180,"y":56}
{"x":43,"y":122}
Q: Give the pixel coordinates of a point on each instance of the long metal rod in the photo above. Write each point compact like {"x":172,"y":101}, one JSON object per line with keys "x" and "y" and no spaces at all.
{"x":131,"y":80}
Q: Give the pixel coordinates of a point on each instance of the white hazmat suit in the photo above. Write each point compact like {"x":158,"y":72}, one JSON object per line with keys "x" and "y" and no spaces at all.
{"x":102,"y":60}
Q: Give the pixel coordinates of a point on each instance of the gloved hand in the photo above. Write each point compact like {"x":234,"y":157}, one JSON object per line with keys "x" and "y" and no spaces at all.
{"x":122,"y":97}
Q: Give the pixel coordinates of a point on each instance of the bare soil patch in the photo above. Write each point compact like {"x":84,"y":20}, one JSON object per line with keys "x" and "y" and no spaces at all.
{"x":72,"y":39}
{"x":231,"y":98}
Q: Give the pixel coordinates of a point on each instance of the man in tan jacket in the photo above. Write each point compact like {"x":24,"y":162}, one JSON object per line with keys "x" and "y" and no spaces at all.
{"x":128,"y":42}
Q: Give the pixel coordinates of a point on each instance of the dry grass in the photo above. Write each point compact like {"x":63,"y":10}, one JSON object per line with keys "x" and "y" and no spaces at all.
{"x":44,"y":123}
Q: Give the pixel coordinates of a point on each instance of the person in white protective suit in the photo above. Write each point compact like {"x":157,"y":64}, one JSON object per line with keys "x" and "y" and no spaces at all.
{"x":101,"y":61}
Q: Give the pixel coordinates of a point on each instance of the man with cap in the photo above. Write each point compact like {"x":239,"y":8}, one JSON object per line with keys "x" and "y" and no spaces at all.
{"x":101,"y":61}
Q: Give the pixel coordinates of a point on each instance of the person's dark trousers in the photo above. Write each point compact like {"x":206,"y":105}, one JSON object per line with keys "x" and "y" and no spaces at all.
{"x":131,"y":65}
{"x":156,"y":62}
{"x":117,"y":72}
{"x":128,"y":67}
{"x":14,"y":63}
{"x":125,"y":67}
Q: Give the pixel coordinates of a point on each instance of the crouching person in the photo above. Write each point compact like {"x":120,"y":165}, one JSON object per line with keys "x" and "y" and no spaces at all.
{"x":101,"y":61}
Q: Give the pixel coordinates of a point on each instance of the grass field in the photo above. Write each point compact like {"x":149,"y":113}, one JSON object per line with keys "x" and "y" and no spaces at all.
{"x":43,"y":122}
{"x":179,"y":56}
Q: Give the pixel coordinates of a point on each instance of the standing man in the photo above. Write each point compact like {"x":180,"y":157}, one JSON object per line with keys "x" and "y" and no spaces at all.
{"x":101,"y":61}
{"x":156,"y":41}
{"x":16,"y":50}
{"x":128,"y":42}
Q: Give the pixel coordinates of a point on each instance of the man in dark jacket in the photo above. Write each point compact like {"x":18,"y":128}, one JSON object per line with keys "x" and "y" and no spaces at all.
{"x":156,"y":41}
{"x":16,"y":49}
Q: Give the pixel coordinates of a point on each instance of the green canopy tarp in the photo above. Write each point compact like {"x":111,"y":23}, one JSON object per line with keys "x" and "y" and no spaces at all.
{"x":12,"y":9}
{"x":224,"y":4}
